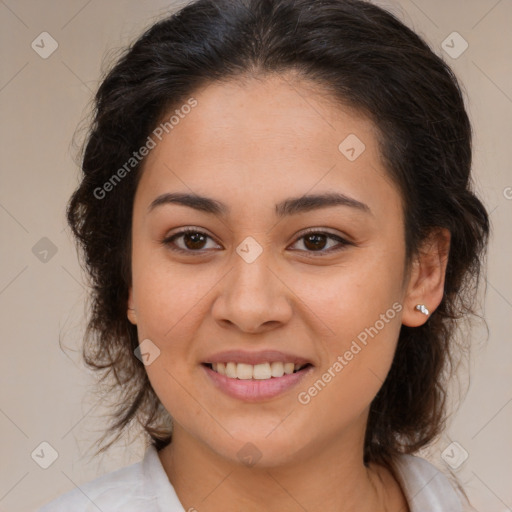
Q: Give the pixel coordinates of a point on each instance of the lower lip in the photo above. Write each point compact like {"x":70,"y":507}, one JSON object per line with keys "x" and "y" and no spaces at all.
{"x":253,"y":390}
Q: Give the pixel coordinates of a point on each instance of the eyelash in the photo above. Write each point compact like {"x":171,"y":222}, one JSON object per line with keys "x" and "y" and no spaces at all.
{"x":169,"y":242}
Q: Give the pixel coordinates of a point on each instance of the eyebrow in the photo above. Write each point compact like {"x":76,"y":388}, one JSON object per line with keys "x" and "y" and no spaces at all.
{"x":290,"y":206}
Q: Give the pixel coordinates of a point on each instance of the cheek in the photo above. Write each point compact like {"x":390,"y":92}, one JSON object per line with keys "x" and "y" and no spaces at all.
{"x":167,"y":297}
{"x":361,"y":306}
{"x":169,"y":308}
{"x":355,"y":369}
{"x":351,"y":297}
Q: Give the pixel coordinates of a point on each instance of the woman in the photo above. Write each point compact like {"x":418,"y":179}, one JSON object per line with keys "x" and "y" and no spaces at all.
{"x":277,"y":217}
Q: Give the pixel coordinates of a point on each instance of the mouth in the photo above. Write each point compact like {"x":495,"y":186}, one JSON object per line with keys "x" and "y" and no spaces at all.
{"x":262,"y":371}
{"x":256,"y":376}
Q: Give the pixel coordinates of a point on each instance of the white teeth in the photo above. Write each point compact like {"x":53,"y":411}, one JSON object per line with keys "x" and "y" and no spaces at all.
{"x":288,"y":368}
{"x":231,"y":370}
{"x":262,"y":371}
{"x":244,"y":371}
{"x":277,"y":369}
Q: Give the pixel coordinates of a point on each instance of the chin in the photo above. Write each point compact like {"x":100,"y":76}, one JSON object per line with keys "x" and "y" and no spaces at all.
{"x":262,"y":451}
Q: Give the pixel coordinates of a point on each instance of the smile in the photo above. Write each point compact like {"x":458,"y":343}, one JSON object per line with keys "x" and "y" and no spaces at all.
{"x":262,"y":371}
{"x":256,"y":382}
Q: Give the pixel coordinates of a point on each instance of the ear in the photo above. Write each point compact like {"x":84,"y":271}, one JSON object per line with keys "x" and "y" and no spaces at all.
{"x":427,"y":275}
{"x":132,"y":315}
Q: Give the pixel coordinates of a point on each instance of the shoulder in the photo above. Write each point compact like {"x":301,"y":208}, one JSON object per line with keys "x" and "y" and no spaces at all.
{"x":426,"y":488}
{"x":142,"y":486}
{"x":111,"y":492}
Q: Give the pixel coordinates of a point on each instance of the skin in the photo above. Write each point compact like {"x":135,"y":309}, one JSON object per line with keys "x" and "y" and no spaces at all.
{"x":252,"y":145}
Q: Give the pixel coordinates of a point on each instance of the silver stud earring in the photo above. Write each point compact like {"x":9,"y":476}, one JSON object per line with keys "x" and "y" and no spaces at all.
{"x":422,"y":309}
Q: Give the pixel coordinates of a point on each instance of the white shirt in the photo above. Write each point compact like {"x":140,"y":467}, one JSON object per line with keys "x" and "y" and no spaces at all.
{"x":145,"y":487}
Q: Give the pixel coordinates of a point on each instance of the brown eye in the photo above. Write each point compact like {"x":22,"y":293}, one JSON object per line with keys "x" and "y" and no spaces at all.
{"x":315,"y":241}
{"x":194,"y":240}
{"x":322,"y":242}
{"x":188,"y":240}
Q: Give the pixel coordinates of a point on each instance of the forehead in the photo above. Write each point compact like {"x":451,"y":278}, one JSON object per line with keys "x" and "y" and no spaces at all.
{"x":268,"y":115}
{"x":265,"y":136}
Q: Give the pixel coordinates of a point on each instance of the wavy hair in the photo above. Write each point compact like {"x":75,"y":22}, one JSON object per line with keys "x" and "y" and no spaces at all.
{"x":363,"y":57}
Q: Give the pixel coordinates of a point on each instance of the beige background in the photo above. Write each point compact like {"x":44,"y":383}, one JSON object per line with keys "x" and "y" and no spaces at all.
{"x":45,"y":392}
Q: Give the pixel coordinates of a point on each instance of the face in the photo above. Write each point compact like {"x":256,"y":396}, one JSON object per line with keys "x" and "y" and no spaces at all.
{"x":266,"y":277}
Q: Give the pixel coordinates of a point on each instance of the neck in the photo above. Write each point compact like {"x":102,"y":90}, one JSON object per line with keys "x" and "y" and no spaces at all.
{"x":331,"y":478}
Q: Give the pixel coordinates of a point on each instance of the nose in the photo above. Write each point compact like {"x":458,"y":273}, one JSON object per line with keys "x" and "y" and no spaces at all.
{"x":253,"y":297}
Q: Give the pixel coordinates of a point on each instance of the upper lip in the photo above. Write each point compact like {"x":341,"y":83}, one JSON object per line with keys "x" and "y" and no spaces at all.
{"x":262,"y":356}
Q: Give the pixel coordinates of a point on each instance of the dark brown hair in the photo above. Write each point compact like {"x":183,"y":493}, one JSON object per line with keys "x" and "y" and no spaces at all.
{"x":365,"y":58}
